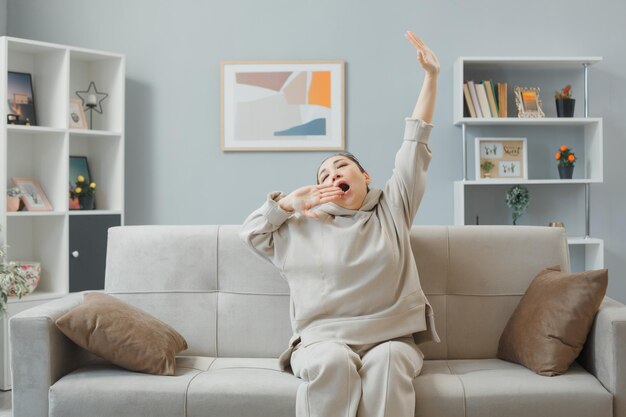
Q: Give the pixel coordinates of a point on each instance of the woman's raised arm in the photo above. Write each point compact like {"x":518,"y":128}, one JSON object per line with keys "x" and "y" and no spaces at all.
{"x":425,"y":105}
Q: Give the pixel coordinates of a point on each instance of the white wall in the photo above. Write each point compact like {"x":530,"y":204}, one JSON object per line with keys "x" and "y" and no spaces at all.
{"x":3,"y":17}
{"x":176,"y":173}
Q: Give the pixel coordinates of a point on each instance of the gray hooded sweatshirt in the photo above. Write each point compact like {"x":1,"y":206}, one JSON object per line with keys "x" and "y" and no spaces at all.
{"x":351,"y":273}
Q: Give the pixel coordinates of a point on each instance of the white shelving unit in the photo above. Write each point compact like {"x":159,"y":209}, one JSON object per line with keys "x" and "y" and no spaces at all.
{"x":42,"y":152}
{"x":484,"y":198}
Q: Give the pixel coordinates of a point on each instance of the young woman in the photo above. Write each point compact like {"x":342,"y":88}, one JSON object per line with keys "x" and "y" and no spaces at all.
{"x":358,"y":310}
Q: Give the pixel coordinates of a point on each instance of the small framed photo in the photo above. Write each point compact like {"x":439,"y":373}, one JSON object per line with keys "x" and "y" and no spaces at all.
{"x":77,"y":114}
{"x":501,"y":158}
{"x":282,"y":105}
{"x":528,"y":102}
{"x":20,"y":99}
{"x":32,"y":194}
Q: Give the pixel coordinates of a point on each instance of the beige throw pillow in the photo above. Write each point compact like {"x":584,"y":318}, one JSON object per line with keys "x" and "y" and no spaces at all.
{"x":549,"y":327}
{"x":122,"y":334}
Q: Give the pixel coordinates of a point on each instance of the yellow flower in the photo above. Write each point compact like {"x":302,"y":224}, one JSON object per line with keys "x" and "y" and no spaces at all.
{"x":92,"y":185}
{"x":78,"y":190}
{"x":80,"y":178}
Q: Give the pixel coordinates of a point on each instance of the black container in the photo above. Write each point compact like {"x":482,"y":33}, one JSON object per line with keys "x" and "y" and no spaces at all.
{"x":565,"y":107}
{"x":566,"y":172}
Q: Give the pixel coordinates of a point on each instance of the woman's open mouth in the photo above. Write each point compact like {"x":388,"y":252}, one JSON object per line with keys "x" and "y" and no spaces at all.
{"x":344,"y":187}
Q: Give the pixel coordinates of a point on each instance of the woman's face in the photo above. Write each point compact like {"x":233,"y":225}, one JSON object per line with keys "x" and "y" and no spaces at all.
{"x":344,"y":173}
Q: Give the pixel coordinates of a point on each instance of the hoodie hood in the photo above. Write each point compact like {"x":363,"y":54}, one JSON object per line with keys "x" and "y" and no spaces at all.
{"x":371,"y":200}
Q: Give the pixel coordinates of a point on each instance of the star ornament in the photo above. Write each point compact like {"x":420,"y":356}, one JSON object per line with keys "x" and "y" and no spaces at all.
{"x":92,"y":99}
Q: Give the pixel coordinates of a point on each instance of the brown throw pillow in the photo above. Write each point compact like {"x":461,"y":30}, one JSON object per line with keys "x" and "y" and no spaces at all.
{"x":122,"y":334}
{"x":549,"y":327}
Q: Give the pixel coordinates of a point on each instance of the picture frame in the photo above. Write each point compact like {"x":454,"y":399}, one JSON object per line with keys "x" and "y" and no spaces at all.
{"x":509,"y":157}
{"x":282,"y":105}
{"x":33,"y":195}
{"x":77,"y":114}
{"x":528,"y":102}
{"x":79,"y":165}
{"x":20,"y":99}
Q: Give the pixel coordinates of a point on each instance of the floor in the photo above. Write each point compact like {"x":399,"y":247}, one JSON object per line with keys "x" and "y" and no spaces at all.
{"x":5,"y":404}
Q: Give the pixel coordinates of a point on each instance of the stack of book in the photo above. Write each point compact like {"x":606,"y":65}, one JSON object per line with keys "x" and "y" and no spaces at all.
{"x":483,"y":100}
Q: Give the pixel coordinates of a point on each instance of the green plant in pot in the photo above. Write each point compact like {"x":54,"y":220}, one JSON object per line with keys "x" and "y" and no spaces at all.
{"x":487,"y":166}
{"x":566,"y":159}
{"x":85,"y":192}
{"x":12,"y":280}
{"x":564,"y":102}
{"x":517,"y":198}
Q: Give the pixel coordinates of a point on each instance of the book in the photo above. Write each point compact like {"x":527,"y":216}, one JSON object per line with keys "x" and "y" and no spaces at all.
{"x":491,"y":96}
{"x":502,"y":99}
{"x":468,"y":100}
{"x":481,"y":92}
{"x":472,"y":89}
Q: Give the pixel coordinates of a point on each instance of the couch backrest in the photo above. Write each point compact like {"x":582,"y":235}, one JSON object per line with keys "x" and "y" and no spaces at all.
{"x":227,"y":302}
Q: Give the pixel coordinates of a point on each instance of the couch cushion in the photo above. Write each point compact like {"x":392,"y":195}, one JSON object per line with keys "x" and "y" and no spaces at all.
{"x":109,"y":391}
{"x":243,"y":387}
{"x":494,"y":387}
{"x":549,"y":327}
{"x":123,"y":334}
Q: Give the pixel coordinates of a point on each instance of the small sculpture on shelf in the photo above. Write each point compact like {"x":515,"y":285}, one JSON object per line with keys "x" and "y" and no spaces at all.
{"x":14,"y":198}
{"x":84,"y":192}
{"x":92,"y":100}
{"x":517,"y":198}
{"x":564,"y":102}
{"x":566,"y":159}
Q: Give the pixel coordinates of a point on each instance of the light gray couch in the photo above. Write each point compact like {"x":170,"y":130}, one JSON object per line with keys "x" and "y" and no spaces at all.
{"x":233,"y":309}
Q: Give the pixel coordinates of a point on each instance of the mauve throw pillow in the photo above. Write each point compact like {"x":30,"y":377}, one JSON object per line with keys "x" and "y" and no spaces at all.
{"x":549,"y":327}
{"x":122,"y":334}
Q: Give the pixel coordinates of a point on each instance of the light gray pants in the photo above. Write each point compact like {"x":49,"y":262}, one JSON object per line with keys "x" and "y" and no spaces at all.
{"x":374,"y":380}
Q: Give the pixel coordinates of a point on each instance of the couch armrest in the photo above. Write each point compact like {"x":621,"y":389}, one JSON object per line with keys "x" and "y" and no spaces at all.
{"x":604,"y":353}
{"x":40,"y":354}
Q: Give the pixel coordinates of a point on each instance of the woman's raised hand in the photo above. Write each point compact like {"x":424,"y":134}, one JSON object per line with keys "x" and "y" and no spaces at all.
{"x":427,"y":58}
{"x":305,"y":198}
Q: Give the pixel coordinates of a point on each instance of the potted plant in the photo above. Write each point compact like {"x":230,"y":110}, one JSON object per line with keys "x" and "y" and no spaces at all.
{"x":566,"y":159}
{"x":12,"y":280}
{"x":517,"y":198}
{"x":14,"y":195}
{"x":564,"y":102}
{"x":85,"y":192}
{"x":487,"y":166}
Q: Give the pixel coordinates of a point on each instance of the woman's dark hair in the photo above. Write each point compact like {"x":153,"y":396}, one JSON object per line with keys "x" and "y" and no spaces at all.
{"x":345,"y":154}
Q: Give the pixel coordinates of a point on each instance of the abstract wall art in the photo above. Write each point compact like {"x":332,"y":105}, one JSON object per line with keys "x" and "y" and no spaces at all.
{"x":282,"y":105}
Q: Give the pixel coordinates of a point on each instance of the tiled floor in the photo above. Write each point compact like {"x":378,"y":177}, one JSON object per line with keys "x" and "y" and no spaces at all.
{"x":5,"y":404}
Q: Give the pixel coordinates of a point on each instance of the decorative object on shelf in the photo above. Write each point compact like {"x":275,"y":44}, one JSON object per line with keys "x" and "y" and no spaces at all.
{"x":282,"y":105}
{"x":92,"y":100}
{"x":556,"y":224}
{"x":528,"y":102}
{"x":13,"y":280}
{"x":21,"y":102}
{"x":85,"y":192}
{"x":77,"y":115}
{"x":32,"y":194}
{"x":31,"y":271}
{"x":79,"y":167}
{"x":564,"y":102}
{"x":517,"y":198}
{"x":507,"y":155}
{"x":487,"y":166}
{"x":13,"y":199}
{"x":566,"y":159}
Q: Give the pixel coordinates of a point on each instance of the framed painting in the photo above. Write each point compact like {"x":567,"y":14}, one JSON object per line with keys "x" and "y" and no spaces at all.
{"x":282,"y":105}
{"x":501,"y":159}
{"x":20,"y":99}
{"x":528,"y":102}
{"x":32,"y":194}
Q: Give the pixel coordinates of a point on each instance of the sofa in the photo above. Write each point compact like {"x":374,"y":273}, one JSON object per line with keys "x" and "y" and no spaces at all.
{"x":232,"y":307}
